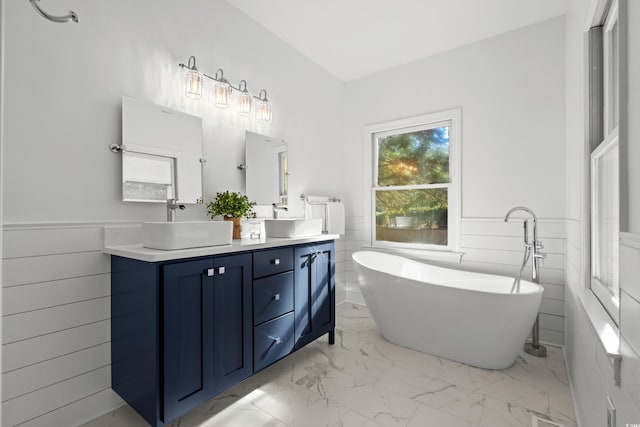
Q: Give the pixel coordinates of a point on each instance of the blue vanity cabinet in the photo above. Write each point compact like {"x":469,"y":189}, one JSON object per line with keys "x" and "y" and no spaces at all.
{"x":315,"y":296}
{"x":187,"y":335}
{"x":232,"y":325}
{"x":207,"y":333}
{"x":183,"y":331}
{"x":273,"y":303}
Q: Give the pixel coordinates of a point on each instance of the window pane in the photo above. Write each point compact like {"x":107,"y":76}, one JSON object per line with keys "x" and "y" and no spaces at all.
{"x":412,"y":216}
{"x":414,"y":158}
{"x":606,"y":220}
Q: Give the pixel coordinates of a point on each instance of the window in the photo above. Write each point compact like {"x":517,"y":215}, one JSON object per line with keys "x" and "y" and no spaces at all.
{"x":604,"y":160}
{"x":414,"y":187}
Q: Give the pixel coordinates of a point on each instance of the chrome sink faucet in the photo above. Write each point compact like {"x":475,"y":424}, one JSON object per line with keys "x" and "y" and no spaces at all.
{"x":172,"y":205}
{"x":530,"y":248}
{"x":279,"y":207}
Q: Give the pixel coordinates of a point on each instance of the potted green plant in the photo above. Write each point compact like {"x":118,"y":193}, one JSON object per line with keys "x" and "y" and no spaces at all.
{"x":232,"y":207}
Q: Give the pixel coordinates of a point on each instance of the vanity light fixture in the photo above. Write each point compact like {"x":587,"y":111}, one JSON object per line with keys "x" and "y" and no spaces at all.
{"x":223,"y":90}
{"x":245,"y":100}
{"x":264,"y":107}
{"x":193,"y":79}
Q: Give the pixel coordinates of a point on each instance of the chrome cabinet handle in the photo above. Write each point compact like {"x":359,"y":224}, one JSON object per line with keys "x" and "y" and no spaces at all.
{"x":221,"y":270}
{"x":276,"y":340}
{"x":209,"y":272}
{"x":276,"y":297}
{"x":275,"y":261}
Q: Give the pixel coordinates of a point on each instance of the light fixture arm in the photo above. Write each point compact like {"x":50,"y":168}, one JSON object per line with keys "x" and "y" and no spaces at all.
{"x":189,"y":65}
{"x":221,"y":79}
{"x":71,"y":16}
{"x":261,"y":97}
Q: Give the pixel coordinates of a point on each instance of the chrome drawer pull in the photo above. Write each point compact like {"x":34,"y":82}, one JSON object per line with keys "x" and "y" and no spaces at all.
{"x":276,"y":297}
{"x":221,"y":270}
{"x":209,"y":272}
{"x":275,"y":261}
{"x":276,"y":340}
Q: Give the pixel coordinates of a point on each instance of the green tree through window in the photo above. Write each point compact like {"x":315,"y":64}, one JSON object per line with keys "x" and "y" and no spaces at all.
{"x":408,"y":209}
{"x":414,"y":158}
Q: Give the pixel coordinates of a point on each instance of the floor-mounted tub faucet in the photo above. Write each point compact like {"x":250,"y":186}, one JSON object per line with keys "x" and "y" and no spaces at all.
{"x":530,"y":249}
{"x":172,"y":205}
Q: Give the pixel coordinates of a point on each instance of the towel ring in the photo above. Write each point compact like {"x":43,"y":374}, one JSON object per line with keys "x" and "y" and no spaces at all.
{"x":71,"y":16}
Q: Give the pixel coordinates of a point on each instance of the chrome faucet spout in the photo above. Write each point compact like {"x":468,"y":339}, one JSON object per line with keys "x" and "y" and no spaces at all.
{"x":172,"y":205}
{"x":533,"y":216}
{"x":278,"y":207}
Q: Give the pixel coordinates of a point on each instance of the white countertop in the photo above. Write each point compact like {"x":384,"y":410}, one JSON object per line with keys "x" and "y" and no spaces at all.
{"x":137,"y":251}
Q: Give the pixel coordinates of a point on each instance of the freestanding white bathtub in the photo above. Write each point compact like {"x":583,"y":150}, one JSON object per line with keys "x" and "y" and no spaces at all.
{"x":467,"y":317}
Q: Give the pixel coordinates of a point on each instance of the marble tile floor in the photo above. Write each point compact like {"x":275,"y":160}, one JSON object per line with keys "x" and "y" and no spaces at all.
{"x":365,"y":381}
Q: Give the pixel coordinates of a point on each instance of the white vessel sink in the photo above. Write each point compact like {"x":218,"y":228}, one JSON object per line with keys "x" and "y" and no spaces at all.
{"x":292,"y":227}
{"x":186,"y":234}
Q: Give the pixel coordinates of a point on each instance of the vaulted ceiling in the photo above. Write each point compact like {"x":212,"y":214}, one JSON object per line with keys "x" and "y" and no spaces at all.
{"x":355,"y":38}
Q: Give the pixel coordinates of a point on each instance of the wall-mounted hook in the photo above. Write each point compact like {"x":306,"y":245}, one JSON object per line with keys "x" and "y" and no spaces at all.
{"x":118,"y":148}
{"x":71,"y":16}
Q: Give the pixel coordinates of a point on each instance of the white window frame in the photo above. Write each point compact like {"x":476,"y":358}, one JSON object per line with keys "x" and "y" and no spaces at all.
{"x":610,"y":302}
{"x":605,"y":14}
{"x":611,"y":69}
{"x":454,"y":209}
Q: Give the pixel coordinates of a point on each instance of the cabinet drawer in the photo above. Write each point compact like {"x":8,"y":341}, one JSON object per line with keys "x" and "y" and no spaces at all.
{"x":266,"y":263}
{"x":272,"y":297}
{"x":272,"y":341}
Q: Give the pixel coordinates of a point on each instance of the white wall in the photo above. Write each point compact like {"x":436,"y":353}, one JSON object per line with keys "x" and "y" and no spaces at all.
{"x":633,"y":130}
{"x":61,"y":183}
{"x":2,"y":25}
{"x":511,"y":91}
{"x":65,"y":88}
{"x":590,"y":371}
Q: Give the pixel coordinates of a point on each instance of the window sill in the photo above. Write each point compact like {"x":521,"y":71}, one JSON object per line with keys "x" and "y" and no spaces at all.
{"x":422,"y":254}
{"x":605,"y":328}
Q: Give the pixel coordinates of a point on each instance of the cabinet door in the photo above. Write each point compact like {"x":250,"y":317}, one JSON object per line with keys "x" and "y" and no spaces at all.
{"x":314,"y":292}
{"x":232,"y":320}
{"x":187,"y":345}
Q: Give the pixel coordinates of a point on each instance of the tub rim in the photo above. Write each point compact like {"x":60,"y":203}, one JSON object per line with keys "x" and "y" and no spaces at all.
{"x":539,"y":289}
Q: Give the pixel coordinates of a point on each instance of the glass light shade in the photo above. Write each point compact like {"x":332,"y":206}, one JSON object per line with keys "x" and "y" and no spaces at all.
{"x":222,"y":94}
{"x":264,"y":111}
{"x":244,"y":104}
{"x":193,"y":84}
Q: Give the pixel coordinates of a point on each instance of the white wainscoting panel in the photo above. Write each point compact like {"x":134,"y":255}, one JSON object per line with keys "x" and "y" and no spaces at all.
{"x":56,"y":326}
{"x":56,"y":322}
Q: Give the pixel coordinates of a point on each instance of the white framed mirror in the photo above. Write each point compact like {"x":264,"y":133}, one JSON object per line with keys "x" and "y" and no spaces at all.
{"x":267,"y":169}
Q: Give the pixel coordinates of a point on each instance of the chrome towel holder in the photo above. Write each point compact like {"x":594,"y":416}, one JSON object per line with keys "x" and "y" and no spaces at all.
{"x":71,"y":16}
